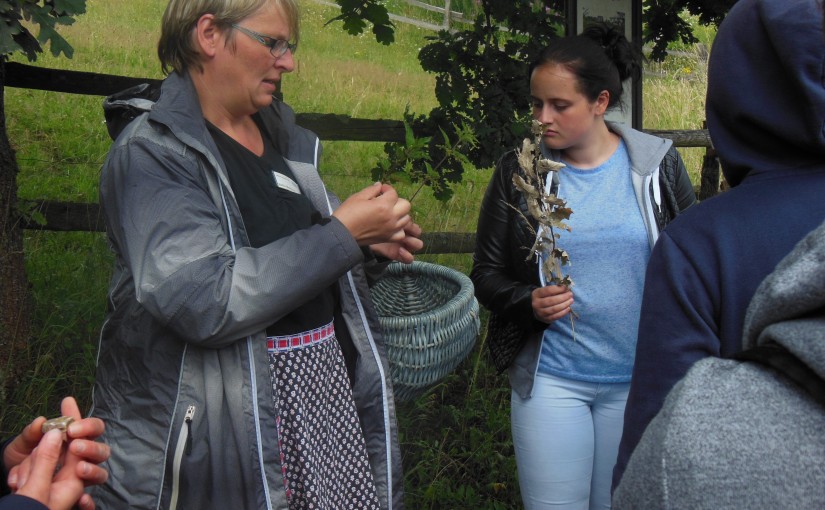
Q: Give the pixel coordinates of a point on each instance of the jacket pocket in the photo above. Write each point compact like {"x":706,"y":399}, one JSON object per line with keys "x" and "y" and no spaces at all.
{"x":184,"y":445}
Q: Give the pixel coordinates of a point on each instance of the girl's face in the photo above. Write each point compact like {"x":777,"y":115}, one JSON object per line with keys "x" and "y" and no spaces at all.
{"x":570,"y":118}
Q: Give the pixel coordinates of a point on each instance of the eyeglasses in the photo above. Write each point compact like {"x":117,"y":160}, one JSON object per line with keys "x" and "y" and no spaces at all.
{"x":277,"y":47}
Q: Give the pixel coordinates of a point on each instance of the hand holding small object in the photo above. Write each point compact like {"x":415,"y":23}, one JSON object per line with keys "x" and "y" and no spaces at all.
{"x":78,"y":460}
{"x":375,"y":215}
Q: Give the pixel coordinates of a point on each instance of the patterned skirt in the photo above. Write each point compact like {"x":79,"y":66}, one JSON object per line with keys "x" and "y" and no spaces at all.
{"x":323,"y":452}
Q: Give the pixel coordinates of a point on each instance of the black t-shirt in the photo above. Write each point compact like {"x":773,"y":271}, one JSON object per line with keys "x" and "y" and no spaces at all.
{"x":273,"y":207}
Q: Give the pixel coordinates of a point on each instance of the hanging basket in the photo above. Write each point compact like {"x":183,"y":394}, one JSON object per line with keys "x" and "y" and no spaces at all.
{"x":430,"y":320}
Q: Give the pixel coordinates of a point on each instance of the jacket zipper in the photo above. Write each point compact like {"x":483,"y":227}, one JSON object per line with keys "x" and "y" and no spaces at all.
{"x":184,"y":446}
{"x":384,"y":397}
{"x":650,"y":191}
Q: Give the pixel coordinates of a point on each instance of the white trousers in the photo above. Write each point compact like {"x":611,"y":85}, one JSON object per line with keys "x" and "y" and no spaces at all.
{"x":566,"y":438}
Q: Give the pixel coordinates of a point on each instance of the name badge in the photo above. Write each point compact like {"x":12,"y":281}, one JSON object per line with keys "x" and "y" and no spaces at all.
{"x":285,"y":183}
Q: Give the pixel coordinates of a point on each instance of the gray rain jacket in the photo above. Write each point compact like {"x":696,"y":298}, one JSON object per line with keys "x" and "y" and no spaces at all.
{"x":183,"y":380}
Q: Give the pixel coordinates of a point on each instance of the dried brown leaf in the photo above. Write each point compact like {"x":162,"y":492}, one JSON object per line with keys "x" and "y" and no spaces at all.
{"x":529,"y":192}
{"x":548,"y":165}
{"x":526,"y":155}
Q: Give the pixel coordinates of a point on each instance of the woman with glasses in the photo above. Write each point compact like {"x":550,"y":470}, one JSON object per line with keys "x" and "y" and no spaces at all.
{"x":240,"y":365}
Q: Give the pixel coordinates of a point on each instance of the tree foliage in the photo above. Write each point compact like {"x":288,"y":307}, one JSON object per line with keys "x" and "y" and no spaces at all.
{"x":46,"y":15}
{"x":355,"y":14}
{"x":481,"y":86}
{"x":481,"y":73}
{"x":663,"y":23}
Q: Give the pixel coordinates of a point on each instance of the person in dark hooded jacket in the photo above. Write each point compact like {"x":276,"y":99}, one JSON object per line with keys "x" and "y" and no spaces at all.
{"x":766,"y":113}
{"x":747,"y":433}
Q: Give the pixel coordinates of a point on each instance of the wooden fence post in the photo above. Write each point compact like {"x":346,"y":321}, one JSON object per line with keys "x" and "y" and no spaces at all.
{"x":447,"y":14}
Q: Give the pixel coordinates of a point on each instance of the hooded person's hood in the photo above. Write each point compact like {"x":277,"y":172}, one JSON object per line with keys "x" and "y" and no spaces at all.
{"x":122,"y":108}
{"x":789,"y":305}
{"x":766,"y":99}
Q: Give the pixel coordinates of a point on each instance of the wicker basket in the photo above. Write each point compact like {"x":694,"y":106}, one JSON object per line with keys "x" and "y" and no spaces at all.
{"x":430,"y":319}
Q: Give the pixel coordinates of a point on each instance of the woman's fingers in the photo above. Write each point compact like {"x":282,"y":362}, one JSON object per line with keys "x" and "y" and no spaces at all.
{"x":375,"y":215}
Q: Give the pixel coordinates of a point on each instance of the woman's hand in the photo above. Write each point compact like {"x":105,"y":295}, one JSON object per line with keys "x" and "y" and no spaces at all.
{"x":402,"y":251}
{"x":551,"y":303}
{"x":375,"y":215}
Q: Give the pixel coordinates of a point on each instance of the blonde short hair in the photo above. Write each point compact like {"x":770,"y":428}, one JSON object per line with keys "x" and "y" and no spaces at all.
{"x":176,"y":47}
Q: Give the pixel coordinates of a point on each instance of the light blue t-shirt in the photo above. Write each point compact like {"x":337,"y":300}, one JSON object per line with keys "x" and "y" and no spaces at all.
{"x":609,"y":249}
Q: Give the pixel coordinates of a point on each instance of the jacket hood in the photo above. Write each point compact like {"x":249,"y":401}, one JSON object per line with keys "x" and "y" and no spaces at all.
{"x":123,"y":107}
{"x":644,"y":150}
{"x":766,"y":100}
{"x":173,"y":102}
{"x":789,"y":305}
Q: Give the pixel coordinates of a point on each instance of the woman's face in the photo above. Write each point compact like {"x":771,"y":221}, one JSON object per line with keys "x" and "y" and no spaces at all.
{"x":249,"y":72}
{"x":569,"y":117}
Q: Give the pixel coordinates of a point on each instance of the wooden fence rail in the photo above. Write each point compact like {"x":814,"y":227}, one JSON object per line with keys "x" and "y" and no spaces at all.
{"x":73,"y":216}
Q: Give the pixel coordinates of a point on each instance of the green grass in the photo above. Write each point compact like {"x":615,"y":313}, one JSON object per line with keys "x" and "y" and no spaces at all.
{"x":674,"y":98}
{"x":455,"y":438}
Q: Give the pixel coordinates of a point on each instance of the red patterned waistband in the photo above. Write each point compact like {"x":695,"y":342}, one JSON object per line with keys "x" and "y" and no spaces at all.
{"x":300,"y":340}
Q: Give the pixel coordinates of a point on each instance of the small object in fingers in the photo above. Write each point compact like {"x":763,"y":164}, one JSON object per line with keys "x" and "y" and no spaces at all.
{"x":62,"y":424}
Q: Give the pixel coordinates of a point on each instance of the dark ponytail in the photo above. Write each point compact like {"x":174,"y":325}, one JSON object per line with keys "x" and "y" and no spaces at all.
{"x":601,"y":57}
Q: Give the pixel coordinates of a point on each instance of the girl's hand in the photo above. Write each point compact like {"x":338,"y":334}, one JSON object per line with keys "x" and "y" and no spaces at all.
{"x":551,"y":303}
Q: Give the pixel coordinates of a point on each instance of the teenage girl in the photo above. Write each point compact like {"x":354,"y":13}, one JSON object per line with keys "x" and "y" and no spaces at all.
{"x":570,"y":379}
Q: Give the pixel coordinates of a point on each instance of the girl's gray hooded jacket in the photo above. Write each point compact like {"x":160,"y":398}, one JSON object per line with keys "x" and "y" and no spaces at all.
{"x":183,"y":381}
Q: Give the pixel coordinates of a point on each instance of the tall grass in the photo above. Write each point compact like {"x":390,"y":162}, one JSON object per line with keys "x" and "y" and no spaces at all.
{"x":674,"y":98}
{"x":455,"y":438}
